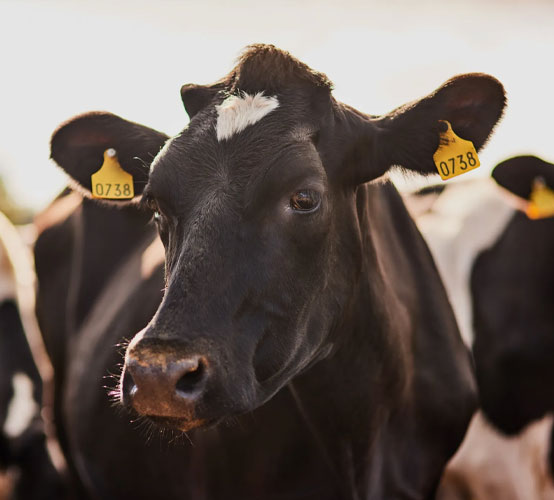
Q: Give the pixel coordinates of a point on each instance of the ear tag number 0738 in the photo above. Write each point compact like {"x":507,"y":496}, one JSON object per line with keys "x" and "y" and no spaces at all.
{"x":111,"y":182}
{"x":454,"y":156}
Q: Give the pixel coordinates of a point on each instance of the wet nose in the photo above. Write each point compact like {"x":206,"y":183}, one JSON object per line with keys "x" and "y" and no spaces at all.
{"x":161,"y":385}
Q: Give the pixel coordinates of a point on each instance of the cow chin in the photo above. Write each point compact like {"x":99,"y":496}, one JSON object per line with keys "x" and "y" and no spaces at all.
{"x":182,"y":424}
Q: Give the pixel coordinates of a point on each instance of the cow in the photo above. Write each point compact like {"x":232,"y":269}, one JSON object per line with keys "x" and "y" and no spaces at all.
{"x":297,"y":333}
{"x":24,"y":456}
{"x":494,"y":257}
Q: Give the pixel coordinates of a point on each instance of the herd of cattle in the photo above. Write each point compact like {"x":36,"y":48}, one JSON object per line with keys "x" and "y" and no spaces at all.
{"x":268,"y":318}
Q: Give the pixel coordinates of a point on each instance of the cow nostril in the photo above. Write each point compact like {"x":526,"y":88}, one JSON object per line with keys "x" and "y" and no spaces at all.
{"x":190,"y":381}
{"x":128,"y":388}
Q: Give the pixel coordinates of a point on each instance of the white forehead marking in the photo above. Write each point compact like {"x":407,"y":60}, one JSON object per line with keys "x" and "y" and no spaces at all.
{"x":236,"y":113}
{"x":467,"y":218}
{"x":22,"y":407}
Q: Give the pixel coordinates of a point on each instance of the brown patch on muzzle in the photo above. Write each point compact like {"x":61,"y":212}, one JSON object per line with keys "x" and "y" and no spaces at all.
{"x":159,"y":382}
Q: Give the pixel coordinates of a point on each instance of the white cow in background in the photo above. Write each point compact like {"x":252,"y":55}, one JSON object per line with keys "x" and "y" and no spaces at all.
{"x":459,"y":221}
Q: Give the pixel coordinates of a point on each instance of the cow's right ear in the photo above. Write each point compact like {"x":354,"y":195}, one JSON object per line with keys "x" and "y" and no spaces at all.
{"x":78,"y":147}
{"x":519,"y":174}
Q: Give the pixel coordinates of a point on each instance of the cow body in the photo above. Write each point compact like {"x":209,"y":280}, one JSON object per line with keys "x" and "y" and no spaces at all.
{"x":495,"y":262}
{"x":73,"y":265}
{"x":296,"y":340}
{"x":23,"y":451}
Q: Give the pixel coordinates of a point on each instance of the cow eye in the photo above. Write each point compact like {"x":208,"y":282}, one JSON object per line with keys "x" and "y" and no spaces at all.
{"x":305,"y":200}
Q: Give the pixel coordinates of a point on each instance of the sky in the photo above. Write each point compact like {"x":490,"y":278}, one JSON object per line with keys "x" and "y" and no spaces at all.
{"x":62,"y":58}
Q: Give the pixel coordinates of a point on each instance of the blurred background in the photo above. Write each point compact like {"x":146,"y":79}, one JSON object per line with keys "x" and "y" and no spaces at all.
{"x":60,"y":58}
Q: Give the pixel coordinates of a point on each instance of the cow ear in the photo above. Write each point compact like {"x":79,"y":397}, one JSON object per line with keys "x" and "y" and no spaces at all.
{"x":78,"y":147}
{"x":409,"y":136}
{"x":197,"y":97}
{"x":519,"y":174}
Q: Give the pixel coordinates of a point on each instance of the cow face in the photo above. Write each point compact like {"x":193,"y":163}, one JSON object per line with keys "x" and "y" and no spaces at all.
{"x":256,"y":205}
{"x":512,"y":286}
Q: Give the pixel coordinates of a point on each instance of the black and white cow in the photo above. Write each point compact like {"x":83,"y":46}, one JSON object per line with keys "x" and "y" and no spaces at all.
{"x":23,"y":452}
{"x":304,"y":340}
{"x":496,"y":263}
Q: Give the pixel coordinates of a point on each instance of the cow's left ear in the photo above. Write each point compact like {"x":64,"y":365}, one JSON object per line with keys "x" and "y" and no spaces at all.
{"x":78,"y":147}
{"x":520,"y":173}
{"x":409,"y":136}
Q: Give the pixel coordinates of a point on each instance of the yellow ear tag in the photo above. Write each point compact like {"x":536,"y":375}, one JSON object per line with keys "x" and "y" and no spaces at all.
{"x":541,"y":205}
{"x":111,"y":182}
{"x":454,"y":156}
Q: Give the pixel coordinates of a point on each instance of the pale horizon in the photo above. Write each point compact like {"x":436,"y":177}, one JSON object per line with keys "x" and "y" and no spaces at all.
{"x":62,"y":58}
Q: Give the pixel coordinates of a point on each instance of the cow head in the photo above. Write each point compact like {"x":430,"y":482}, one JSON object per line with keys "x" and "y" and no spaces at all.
{"x":255,"y":201}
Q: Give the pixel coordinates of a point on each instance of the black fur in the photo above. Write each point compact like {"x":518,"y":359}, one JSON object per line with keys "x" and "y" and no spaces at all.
{"x":512,"y":287}
{"x":317,"y":333}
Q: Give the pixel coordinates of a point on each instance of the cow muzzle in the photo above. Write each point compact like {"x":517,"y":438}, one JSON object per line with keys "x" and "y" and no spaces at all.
{"x":158,"y":382}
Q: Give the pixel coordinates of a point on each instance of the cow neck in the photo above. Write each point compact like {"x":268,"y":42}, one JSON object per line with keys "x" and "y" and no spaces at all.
{"x":366,"y":377}
{"x":383,"y":380}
